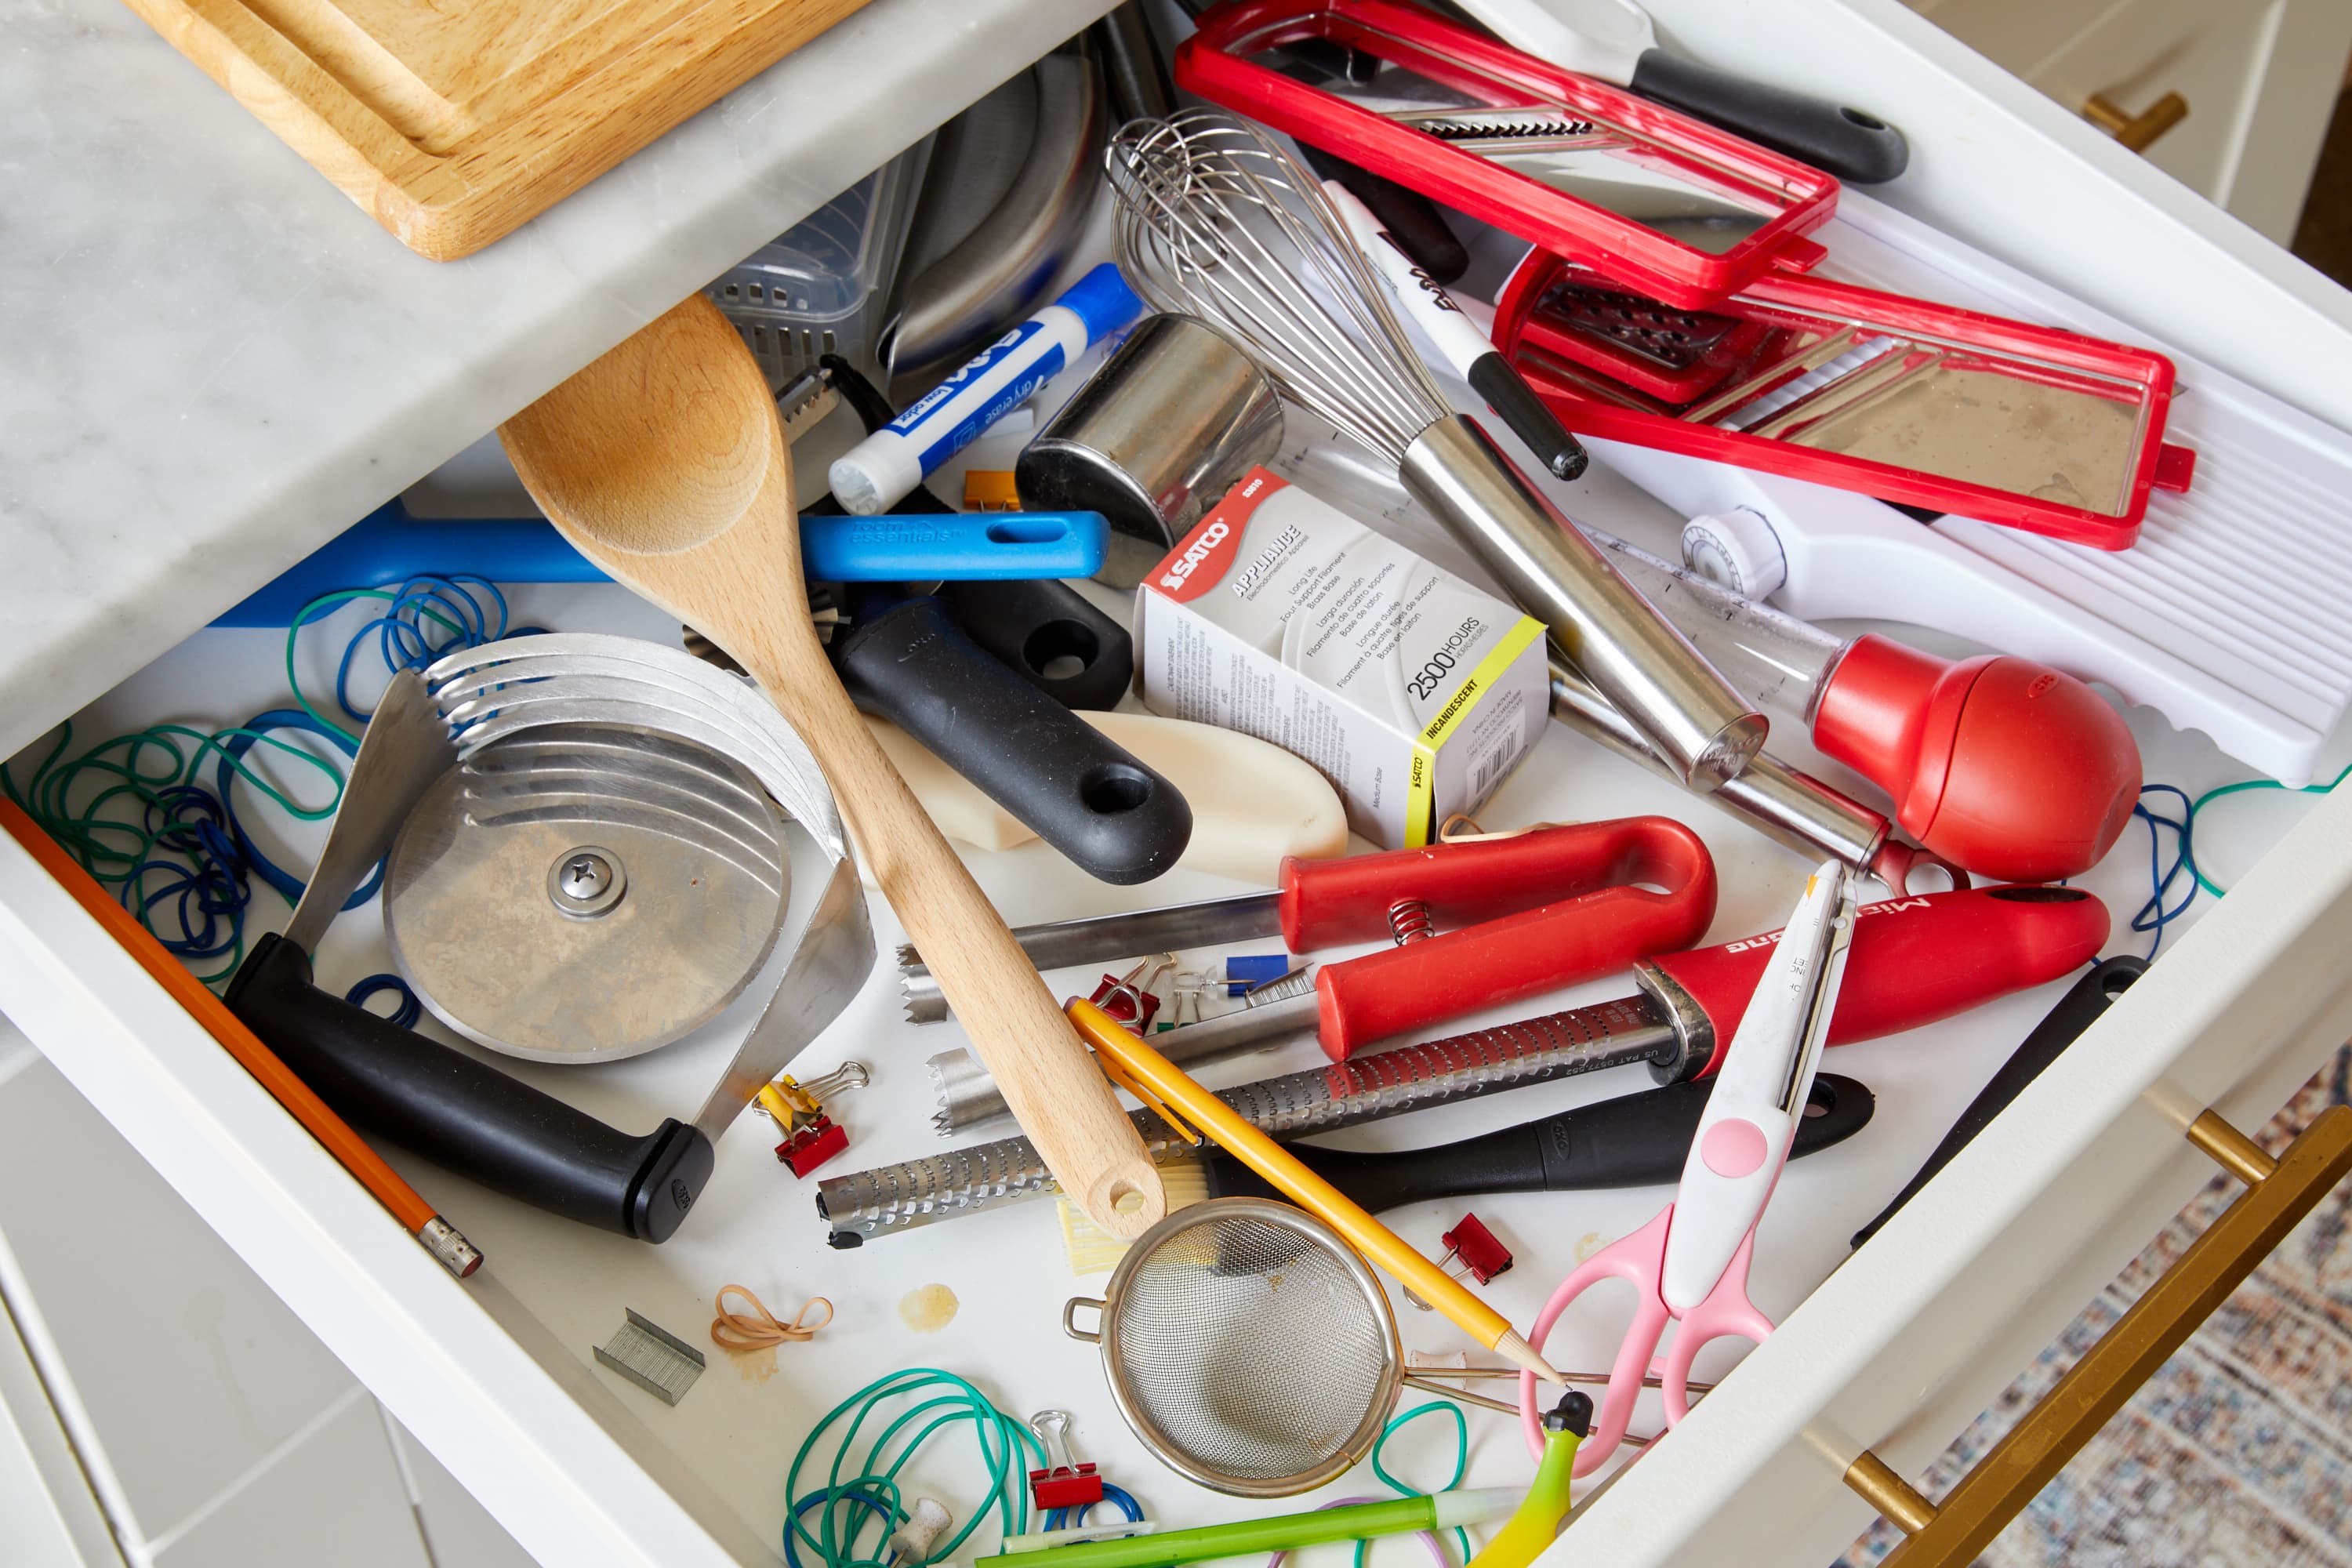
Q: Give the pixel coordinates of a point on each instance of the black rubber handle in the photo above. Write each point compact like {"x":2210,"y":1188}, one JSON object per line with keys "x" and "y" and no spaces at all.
{"x":2076,"y":1011}
{"x":1411,"y":218}
{"x":463,"y":1114}
{"x":1037,"y":628}
{"x":1094,"y":801}
{"x":1506,"y":391}
{"x":1139,"y":87}
{"x":1637,"y":1140}
{"x":1856,"y":147}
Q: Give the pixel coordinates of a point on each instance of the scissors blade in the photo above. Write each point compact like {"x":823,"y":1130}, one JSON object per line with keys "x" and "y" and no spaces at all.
{"x":1744,"y":1135}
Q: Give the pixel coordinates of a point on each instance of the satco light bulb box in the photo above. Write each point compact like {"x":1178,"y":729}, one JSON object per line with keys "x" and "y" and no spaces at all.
{"x":1282,"y":617}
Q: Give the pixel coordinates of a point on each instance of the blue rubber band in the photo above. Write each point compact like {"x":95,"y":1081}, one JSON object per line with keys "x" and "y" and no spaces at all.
{"x":1118,"y":1497}
{"x":404,"y":1017}
{"x":287,"y":885}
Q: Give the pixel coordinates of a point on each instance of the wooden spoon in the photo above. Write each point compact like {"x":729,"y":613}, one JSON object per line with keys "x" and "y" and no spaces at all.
{"x":665,"y":464}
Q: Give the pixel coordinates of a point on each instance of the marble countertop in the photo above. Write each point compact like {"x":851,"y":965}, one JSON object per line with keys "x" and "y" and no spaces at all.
{"x":211,"y":362}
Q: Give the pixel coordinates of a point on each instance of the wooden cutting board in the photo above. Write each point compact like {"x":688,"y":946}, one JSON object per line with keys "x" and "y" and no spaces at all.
{"x":454,"y":121}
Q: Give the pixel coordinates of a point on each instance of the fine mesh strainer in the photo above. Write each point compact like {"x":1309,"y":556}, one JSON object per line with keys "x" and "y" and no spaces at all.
{"x":1248,"y":1346}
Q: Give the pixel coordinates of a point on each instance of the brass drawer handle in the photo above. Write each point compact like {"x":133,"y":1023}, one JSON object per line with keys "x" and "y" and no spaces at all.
{"x":1997,"y":1487}
{"x":2136,"y":132}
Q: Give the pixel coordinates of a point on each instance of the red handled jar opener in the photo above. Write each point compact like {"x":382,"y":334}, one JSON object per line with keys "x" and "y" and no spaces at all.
{"x":1549,"y":907}
{"x":1475,"y":922}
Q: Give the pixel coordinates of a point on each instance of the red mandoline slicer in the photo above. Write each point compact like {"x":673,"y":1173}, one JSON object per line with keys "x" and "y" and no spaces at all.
{"x":1663,"y":305}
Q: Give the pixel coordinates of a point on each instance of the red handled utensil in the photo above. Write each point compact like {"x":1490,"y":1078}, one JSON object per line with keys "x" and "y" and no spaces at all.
{"x":1522,"y":913}
{"x":1914,"y":960}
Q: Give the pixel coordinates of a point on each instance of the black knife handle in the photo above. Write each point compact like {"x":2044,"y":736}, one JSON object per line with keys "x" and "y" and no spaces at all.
{"x":1090,"y":798}
{"x":2076,"y":1011}
{"x":1636,"y":1141}
{"x":1858,"y":148}
{"x":463,"y":1114}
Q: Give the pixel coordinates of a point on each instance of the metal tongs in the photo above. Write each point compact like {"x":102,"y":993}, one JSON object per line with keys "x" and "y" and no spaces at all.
{"x":452,"y":1107}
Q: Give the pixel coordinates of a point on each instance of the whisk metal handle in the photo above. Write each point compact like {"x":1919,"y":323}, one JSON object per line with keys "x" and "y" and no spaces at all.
{"x":1703,"y":730}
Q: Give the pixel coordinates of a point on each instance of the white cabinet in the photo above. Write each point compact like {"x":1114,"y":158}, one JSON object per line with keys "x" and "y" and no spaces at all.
{"x":159,"y":1405}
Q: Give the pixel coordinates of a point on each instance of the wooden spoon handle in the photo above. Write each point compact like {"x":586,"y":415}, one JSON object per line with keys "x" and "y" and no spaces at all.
{"x":663,"y":461}
{"x":1049,"y":1079}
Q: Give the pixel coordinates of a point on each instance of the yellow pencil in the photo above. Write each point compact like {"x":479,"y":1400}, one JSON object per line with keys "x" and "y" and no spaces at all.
{"x":1202,"y":1109}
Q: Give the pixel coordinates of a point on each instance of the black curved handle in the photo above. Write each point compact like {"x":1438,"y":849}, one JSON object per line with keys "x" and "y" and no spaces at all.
{"x":463,"y":1114}
{"x":1636,"y":1141}
{"x":1094,"y":801}
{"x":2083,"y":1006}
{"x":1859,"y":148}
{"x":1045,"y":632}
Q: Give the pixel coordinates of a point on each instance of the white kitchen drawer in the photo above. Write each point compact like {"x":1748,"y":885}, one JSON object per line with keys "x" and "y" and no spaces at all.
{"x":1896,"y":1350}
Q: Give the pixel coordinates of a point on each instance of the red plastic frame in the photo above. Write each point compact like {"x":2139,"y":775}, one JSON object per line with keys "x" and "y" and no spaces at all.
{"x":1212,"y":63}
{"x":2154,"y":465}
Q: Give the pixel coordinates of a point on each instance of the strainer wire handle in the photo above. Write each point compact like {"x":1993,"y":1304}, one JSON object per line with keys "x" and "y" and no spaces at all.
{"x":1092,"y":1336}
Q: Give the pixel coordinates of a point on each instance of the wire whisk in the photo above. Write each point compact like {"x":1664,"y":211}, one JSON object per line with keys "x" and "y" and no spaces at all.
{"x":1217,"y":220}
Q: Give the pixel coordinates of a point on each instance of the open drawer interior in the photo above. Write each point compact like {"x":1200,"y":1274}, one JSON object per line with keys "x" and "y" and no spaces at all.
{"x":982,"y":1294}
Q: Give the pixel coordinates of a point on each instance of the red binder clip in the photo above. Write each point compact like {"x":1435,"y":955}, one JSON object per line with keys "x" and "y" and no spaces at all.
{"x":1132,"y":1003}
{"x":1061,"y":1484}
{"x":1482,"y":1255}
{"x":815,"y":1140}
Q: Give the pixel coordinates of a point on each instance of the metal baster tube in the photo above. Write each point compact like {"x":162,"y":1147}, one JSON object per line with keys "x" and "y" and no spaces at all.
{"x":1791,"y":808}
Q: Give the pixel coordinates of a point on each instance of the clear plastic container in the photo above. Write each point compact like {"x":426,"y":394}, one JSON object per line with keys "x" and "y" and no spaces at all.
{"x":823,"y":285}
{"x":1775,"y":660}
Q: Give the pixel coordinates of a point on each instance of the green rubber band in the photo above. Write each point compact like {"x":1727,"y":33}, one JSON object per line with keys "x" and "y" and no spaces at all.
{"x":943,"y":1403}
{"x":71,"y":798}
{"x":1461,"y":1465}
{"x":325,"y":602}
{"x":2213,"y":794}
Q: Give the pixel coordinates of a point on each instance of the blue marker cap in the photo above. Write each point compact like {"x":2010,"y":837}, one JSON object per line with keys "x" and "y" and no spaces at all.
{"x":1102,"y":300}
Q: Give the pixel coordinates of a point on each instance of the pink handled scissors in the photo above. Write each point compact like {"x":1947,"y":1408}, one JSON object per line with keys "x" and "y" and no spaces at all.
{"x":1690,"y":1263}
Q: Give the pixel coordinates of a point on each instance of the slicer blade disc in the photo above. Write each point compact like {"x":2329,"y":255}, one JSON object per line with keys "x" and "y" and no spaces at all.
{"x":585,"y":892}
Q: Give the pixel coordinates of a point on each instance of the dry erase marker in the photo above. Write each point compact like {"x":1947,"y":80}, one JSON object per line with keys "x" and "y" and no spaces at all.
{"x":884,"y":468}
{"x":1429,"y":307}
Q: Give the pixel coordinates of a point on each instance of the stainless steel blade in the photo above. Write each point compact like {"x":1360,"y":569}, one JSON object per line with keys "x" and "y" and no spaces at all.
{"x":834,"y":955}
{"x":968,"y":1095}
{"x":1319,"y":1099}
{"x":1057,"y":944}
{"x":404,"y":749}
{"x":525,"y":683}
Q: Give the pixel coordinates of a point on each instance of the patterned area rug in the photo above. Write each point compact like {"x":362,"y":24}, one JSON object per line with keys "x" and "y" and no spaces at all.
{"x":2237,"y":1452}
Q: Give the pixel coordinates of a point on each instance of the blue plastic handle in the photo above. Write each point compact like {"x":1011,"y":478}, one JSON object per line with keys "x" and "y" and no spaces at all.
{"x":388,"y":547}
{"x":953,"y":547}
